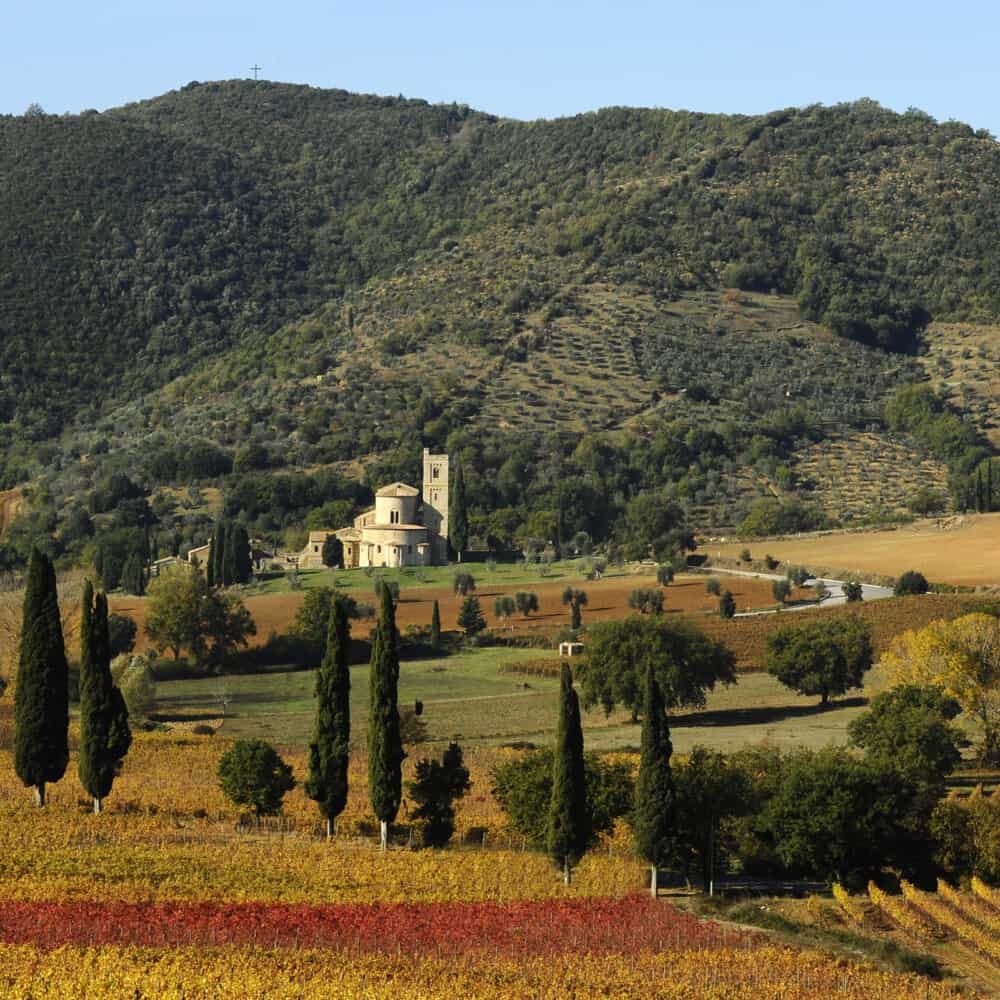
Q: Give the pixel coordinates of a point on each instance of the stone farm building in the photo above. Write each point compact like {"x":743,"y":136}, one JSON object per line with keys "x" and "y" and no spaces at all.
{"x":406,"y":527}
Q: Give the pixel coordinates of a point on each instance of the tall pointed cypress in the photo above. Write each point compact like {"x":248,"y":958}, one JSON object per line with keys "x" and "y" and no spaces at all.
{"x":41,"y":700}
{"x":210,"y":562}
{"x":239,"y":544}
{"x":219,"y":553}
{"x":436,"y":625}
{"x":385,"y":746}
{"x":569,"y":817}
{"x":458,"y":525}
{"x":329,"y":749}
{"x":105,"y":736}
{"x":653,"y":818}
{"x":989,"y":486}
{"x":231,"y":558}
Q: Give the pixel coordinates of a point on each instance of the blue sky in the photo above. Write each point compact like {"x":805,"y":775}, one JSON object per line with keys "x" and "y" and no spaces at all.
{"x":524,"y":60}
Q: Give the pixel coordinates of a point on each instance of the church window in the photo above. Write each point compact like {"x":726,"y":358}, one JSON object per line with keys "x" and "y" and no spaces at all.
{"x":434,"y":472}
{"x":315,"y":548}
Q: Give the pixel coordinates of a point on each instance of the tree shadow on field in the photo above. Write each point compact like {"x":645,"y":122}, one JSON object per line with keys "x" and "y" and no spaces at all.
{"x":181,"y":716}
{"x":760,"y":715}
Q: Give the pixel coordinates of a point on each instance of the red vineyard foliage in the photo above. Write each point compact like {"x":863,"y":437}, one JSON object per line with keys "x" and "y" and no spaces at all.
{"x":596,"y":926}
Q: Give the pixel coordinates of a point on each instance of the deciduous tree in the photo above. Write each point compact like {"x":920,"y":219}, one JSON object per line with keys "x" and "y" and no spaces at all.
{"x":825,"y":658}
{"x":910,"y":728}
{"x":687,"y":663}
{"x":962,"y":659}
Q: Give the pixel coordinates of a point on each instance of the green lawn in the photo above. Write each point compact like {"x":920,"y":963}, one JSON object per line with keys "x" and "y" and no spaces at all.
{"x":466,"y":697}
{"x":410,"y":577}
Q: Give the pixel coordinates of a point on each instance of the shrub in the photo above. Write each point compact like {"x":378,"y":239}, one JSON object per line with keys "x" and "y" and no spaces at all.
{"x":464,"y":583}
{"x":647,"y":601}
{"x":781,"y":589}
{"x":911,"y":582}
{"x":122,"y":631}
{"x":712,"y":586}
{"x":526,"y":601}
{"x":523,"y":788}
{"x":134,"y":677}
{"x":436,"y":787}
{"x":853,"y":591}
{"x":251,"y":773}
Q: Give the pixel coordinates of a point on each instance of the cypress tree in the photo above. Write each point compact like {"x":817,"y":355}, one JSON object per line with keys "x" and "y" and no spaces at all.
{"x":239,"y":544}
{"x":210,"y":562}
{"x":989,"y":485}
{"x":980,"y":500}
{"x":385,"y":747}
{"x":569,"y":818}
{"x":105,"y":736}
{"x":458,"y":527}
{"x":218,"y":554}
{"x":230,"y":560}
{"x":329,"y":749}
{"x":41,"y":700}
{"x":436,"y":626}
{"x":133,"y":575}
{"x":653,"y":817}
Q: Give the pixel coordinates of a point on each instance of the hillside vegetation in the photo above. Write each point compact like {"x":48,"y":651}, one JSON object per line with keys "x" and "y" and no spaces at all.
{"x":701,"y":309}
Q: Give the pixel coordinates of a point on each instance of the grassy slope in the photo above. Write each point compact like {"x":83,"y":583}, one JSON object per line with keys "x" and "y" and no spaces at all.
{"x":466,"y":697}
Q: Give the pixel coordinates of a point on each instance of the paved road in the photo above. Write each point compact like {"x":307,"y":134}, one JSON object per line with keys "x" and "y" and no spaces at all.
{"x":870,"y":591}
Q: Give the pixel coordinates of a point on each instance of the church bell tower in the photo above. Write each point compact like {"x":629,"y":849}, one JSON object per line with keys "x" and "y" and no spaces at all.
{"x":435,"y":495}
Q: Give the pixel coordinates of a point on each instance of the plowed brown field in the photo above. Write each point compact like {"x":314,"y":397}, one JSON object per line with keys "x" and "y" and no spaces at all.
{"x":607,"y":599}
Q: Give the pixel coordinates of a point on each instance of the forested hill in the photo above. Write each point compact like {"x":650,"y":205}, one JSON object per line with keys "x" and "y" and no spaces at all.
{"x":150,"y":253}
{"x":135,"y":242}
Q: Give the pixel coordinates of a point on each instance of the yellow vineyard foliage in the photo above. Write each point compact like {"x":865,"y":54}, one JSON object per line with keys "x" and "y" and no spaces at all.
{"x":168,"y":833}
{"x":961,"y":657}
{"x":170,"y":779}
{"x":206,"y":974}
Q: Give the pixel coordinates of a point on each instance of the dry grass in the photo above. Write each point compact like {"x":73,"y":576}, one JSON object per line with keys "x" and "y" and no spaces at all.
{"x":961,"y":550}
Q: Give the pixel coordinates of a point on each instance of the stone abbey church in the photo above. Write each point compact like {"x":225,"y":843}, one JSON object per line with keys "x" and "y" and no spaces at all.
{"x":406,"y":527}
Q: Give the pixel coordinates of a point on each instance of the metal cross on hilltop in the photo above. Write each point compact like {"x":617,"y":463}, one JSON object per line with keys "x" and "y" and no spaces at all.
{"x":255,"y":69}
